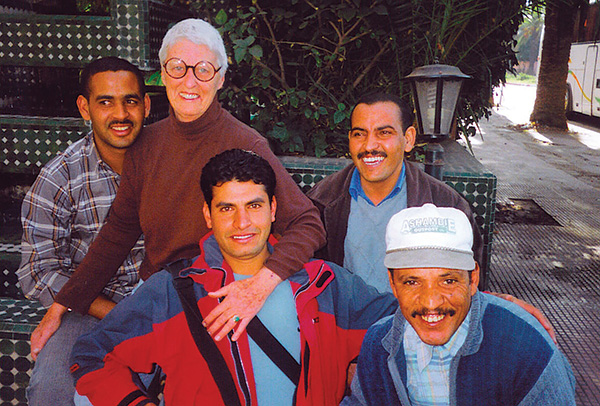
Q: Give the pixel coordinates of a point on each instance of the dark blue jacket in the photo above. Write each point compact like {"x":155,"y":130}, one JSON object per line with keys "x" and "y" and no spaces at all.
{"x":507,"y":360}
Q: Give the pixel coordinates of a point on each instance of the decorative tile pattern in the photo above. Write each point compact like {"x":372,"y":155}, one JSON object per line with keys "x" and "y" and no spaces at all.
{"x":45,"y":40}
{"x":464,"y":173}
{"x":9,"y":263}
{"x":307,"y":171}
{"x":159,"y":106}
{"x":19,"y":318}
{"x":133,"y":31}
{"x":480,"y":192}
{"x":47,"y":91}
{"x":10,"y":248}
{"x":27,"y":143}
{"x":160,"y":18}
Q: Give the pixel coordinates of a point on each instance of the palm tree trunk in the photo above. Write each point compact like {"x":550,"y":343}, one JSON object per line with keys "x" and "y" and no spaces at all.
{"x":549,"y":107}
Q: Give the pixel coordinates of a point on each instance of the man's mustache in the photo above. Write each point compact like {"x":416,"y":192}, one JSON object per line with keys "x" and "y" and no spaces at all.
{"x":371,"y":153}
{"x":424,"y":312}
{"x":117,"y":122}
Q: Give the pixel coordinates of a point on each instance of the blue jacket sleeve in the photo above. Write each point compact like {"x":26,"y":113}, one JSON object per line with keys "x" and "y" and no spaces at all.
{"x":556,"y":385}
{"x":358,"y":305}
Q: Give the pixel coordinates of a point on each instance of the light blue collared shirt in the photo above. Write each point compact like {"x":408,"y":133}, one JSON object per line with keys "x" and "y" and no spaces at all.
{"x":428,"y":366}
{"x":356,"y":189}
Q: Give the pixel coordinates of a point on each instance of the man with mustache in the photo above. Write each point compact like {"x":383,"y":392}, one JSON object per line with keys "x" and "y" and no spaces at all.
{"x":357,"y":202}
{"x":448,"y":343}
{"x":65,"y":208}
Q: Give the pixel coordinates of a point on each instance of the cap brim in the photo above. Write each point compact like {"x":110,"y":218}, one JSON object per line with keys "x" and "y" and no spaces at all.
{"x":429,"y":258}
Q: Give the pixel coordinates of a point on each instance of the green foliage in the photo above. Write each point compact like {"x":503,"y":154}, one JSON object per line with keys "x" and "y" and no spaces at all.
{"x":528,"y":37}
{"x":99,"y":7}
{"x":298,"y":66}
{"x":521,"y":78}
{"x":153,"y":79}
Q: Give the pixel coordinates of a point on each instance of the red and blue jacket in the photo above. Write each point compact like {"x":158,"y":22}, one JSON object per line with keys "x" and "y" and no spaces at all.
{"x":334,"y":306}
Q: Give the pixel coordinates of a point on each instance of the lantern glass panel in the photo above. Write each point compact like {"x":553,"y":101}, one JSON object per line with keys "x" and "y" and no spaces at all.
{"x":427,"y":91}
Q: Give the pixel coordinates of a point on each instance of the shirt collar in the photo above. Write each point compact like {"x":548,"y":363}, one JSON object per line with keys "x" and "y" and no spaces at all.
{"x":93,"y":155}
{"x":356,"y":189}
{"x":412,"y":342}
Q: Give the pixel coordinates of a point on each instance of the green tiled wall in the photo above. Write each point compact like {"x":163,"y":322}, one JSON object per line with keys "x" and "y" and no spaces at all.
{"x":19,"y":318}
{"x":44,"y":40}
{"x":27,"y":143}
{"x":133,"y":31}
{"x":306,"y":172}
{"x":480,"y":192}
{"x":9,"y":263}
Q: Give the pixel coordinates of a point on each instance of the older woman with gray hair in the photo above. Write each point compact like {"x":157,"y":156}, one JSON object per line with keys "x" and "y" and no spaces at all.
{"x":160,"y":195}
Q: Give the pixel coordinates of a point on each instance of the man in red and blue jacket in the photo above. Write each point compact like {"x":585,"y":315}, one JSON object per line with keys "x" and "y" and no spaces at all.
{"x":331,"y":309}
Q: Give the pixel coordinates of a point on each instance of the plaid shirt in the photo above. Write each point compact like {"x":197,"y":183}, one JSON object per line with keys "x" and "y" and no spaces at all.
{"x":428,"y":366}
{"x":62,"y":213}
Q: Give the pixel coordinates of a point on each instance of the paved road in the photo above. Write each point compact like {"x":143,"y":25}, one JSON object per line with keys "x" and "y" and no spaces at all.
{"x":556,"y":267}
{"x":569,"y":157}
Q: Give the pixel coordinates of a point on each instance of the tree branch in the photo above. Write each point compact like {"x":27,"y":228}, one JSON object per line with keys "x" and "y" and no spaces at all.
{"x":367,"y":69}
{"x":276,"y":45}
{"x":275,"y":75}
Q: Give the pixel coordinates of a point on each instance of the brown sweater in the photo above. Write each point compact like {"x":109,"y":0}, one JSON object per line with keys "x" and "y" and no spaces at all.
{"x":160,"y":196}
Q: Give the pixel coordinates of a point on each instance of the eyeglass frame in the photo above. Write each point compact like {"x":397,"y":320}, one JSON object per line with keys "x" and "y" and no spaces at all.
{"x":193,"y":67}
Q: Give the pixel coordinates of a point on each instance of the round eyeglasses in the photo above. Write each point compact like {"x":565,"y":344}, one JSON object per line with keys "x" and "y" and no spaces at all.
{"x":204,"y":71}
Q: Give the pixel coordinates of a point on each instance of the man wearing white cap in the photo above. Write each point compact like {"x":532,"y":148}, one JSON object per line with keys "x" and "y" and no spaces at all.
{"x":448,"y":344}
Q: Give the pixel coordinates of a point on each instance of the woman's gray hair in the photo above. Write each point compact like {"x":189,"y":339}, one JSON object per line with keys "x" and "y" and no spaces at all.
{"x":199,"y":32}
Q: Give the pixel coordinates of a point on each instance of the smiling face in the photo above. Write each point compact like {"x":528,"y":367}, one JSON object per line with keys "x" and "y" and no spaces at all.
{"x":377,"y":144}
{"x":116,"y":109}
{"x":435,"y":301}
{"x":240,"y":216}
{"x":189,"y":97}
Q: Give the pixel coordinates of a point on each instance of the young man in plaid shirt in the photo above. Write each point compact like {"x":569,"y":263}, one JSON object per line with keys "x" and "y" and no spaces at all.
{"x":65,"y":209}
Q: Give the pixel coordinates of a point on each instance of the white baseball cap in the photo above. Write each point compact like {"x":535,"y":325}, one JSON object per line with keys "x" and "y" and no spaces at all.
{"x":429,"y":237}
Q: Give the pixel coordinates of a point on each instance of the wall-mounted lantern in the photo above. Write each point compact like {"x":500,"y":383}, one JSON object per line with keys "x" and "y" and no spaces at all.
{"x":435,"y":91}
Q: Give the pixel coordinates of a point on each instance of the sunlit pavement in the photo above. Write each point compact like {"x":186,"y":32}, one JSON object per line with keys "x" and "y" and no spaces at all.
{"x":557,"y":267}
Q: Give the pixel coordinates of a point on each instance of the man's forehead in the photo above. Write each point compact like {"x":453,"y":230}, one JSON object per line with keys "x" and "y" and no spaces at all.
{"x":380,"y":109}
{"x":234,"y":189}
{"x":102,"y":82}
